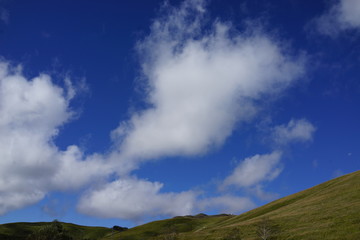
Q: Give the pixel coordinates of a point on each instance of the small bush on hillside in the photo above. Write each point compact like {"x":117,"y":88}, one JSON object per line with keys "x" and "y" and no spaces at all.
{"x":119,"y":229}
{"x":53,"y":231}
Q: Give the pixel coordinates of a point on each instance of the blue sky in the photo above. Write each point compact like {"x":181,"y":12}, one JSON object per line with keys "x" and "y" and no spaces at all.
{"x":122,"y":112}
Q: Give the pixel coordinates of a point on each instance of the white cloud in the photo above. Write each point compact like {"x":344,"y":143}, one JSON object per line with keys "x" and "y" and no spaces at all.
{"x":135,"y":199}
{"x":343,"y":15}
{"x":200,"y":84}
{"x":31,"y":114}
{"x":300,"y":130}
{"x":254,"y":170}
{"x":227,"y":204}
{"x":76,"y":170}
{"x":31,"y":111}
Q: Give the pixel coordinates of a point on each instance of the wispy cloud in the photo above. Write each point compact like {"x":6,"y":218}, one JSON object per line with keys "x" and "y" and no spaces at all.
{"x":343,"y":15}
{"x":297,"y":130}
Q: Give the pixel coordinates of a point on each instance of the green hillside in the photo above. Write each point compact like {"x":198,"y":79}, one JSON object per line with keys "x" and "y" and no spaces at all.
{"x":330,"y":210}
{"x":21,"y":230}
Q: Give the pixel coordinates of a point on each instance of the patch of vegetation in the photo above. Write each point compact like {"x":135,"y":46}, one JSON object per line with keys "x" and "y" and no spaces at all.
{"x":53,"y":231}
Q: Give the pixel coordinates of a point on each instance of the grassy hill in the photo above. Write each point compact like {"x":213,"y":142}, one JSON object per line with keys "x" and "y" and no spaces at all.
{"x":20,"y":230}
{"x":330,"y":210}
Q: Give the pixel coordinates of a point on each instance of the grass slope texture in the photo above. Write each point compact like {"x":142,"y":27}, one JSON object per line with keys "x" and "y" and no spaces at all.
{"x":330,"y":210}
